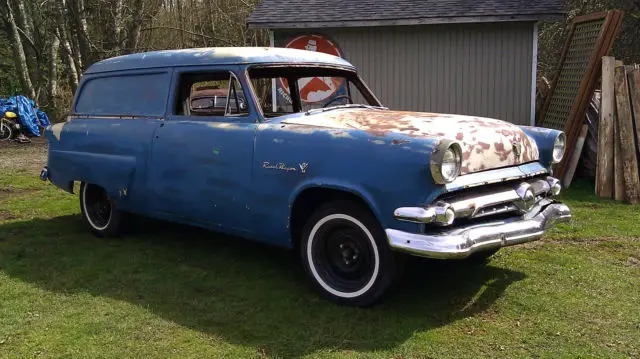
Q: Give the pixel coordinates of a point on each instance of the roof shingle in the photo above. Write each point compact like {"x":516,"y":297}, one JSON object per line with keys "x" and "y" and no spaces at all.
{"x":339,"y":13}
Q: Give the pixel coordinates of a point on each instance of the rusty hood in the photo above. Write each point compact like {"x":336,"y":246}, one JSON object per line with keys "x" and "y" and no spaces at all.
{"x":486,"y":143}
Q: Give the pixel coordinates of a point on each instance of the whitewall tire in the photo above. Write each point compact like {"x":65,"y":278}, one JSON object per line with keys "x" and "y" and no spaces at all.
{"x":99,"y":211}
{"x":345,"y":254}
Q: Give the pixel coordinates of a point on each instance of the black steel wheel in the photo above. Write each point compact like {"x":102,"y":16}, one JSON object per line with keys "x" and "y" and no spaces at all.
{"x":99,"y":211}
{"x":346,"y":255}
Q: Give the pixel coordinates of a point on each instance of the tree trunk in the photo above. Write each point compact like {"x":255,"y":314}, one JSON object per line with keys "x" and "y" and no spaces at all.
{"x":114,"y":27}
{"x":61,"y":32}
{"x":67,"y":58}
{"x":134,"y":29}
{"x":53,"y":71}
{"x":181,"y":22}
{"x":19,"y":57}
{"x":25,"y":22}
{"x":75,"y":51}
{"x":80,"y":19}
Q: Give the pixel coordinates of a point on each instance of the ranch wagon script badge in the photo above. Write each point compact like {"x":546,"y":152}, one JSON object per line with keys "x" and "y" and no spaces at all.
{"x":302,"y":167}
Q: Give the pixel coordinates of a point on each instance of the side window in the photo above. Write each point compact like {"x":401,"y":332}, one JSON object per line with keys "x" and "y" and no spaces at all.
{"x":263,"y":87}
{"x":211,"y":94}
{"x":131,"y":95}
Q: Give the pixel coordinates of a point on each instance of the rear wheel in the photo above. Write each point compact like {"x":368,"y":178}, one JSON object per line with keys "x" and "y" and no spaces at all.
{"x":99,"y":211}
{"x":346,"y":255}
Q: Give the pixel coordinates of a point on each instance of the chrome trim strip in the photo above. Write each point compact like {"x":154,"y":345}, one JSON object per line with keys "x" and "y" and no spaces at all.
{"x":115,"y":117}
{"x":462,"y":242}
{"x":496,"y":176}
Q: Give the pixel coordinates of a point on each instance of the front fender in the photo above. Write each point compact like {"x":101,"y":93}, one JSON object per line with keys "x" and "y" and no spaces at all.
{"x":386,"y":171}
{"x":545,"y":138}
{"x":340,"y":185}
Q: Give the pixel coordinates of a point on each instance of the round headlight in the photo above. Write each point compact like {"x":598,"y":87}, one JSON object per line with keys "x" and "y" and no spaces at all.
{"x":558,"y":148}
{"x":446,"y":161}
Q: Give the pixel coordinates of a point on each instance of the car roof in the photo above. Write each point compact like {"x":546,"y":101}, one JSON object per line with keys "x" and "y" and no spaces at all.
{"x":215,"y":56}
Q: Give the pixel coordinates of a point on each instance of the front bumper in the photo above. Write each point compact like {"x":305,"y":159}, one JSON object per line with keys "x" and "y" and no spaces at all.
{"x":461,"y":242}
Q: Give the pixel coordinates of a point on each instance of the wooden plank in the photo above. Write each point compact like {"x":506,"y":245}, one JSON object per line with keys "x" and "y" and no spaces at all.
{"x":575,"y":157}
{"x":618,"y":168}
{"x":627,"y":137}
{"x":633,"y":76}
{"x":618,"y":177}
{"x":605,"y":165}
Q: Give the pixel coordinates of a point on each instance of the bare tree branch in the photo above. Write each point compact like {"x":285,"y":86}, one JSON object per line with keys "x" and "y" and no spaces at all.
{"x":188,"y":32}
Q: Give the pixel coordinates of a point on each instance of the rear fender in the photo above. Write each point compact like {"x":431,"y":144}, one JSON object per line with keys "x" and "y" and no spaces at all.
{"x":112,"y":172}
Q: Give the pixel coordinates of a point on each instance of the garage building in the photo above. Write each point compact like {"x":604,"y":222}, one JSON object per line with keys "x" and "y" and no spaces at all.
{"x":474,"y":57}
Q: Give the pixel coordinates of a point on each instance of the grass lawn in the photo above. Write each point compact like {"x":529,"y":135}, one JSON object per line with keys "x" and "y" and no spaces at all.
{"x":174,"y":291}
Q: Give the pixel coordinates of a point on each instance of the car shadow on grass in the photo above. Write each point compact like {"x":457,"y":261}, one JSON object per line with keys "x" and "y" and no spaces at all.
{"x":244,"y":292}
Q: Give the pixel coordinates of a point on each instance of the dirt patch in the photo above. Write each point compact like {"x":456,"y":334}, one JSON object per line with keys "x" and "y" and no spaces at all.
{"x":5,"y":216}
{"x":30,"y":157}
{"x":4,"y":193}
{"x":9,"y":191}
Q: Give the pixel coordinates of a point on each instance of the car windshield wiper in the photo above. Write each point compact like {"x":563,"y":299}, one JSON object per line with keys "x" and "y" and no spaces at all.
{"x":350,"y":105}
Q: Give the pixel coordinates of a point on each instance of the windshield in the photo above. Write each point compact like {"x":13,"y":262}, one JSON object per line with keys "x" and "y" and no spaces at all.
{"x":284,"y":90}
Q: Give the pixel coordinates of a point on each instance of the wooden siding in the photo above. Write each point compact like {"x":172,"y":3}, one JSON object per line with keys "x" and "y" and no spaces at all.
{"x":472,"y":69}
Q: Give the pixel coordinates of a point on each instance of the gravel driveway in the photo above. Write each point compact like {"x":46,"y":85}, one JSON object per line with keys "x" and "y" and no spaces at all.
{"x":29,"y":157}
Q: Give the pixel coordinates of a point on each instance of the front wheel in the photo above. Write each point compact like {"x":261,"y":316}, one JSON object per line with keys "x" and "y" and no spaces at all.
{"x":100,"y":211}
{"x":6,"y":132}
{"x":346,"y":255}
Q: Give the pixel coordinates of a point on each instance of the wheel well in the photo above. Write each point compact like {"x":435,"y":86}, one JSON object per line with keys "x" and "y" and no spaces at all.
{"x":309,"y":200}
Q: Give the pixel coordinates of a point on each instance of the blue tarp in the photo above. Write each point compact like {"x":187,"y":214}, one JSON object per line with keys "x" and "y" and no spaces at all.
{"x":26,"y":110}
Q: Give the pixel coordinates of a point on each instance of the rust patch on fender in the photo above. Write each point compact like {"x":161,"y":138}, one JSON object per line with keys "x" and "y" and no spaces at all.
{"x":57,"y":129}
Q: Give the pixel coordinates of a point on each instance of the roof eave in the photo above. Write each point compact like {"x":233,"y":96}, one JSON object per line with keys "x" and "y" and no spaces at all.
{"x":404,"y":22}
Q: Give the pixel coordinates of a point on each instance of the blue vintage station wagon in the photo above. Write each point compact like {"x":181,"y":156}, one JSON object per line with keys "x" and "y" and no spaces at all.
{"x":200,"y":136}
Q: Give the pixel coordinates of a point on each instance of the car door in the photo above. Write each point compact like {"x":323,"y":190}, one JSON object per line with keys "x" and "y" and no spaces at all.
{"x":201,"y":160}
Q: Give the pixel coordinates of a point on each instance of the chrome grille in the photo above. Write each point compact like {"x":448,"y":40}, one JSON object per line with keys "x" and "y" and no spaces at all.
{"x":518,"y":197}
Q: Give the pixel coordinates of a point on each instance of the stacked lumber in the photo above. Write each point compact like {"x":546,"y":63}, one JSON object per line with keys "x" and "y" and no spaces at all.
{"x":617,"y":173}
